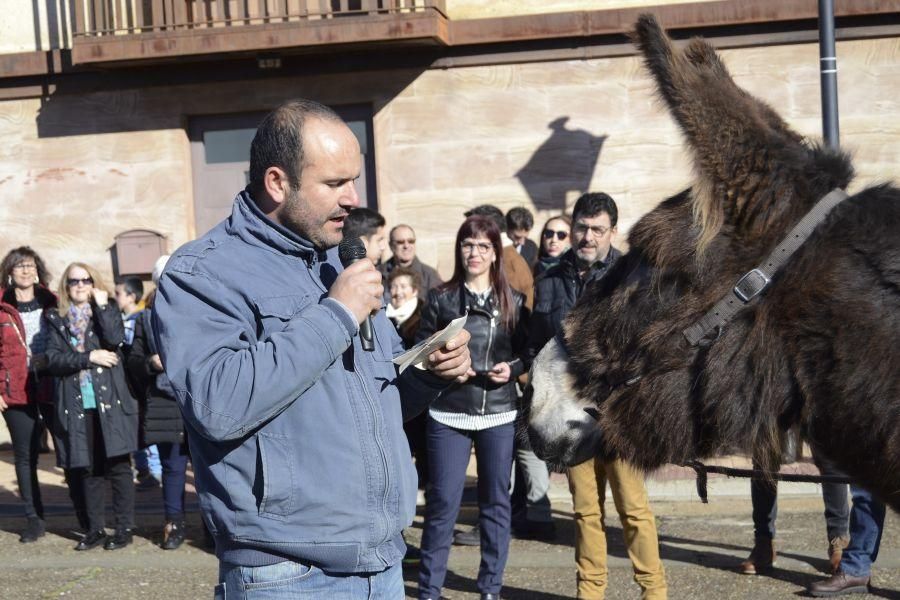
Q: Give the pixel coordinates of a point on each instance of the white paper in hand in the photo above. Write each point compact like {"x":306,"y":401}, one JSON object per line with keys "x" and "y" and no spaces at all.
{"x":418,"y":353}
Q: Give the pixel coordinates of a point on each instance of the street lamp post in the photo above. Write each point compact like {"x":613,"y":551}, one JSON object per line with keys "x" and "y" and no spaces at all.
{"x":828,"y":70}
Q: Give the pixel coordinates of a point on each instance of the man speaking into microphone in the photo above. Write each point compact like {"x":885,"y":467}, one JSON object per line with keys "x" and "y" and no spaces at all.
{"x":296,"y":432}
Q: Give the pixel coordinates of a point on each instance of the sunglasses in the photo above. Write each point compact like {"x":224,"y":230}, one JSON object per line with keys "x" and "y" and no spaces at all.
{"x":72,"y":282}
{"x":560,"y":235}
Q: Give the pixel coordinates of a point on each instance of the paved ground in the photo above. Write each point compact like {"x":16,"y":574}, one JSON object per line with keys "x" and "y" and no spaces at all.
{"x":700,"y":544}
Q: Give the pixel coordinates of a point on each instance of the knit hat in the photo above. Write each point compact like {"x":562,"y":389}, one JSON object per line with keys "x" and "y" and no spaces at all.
{"x":158,"y":267}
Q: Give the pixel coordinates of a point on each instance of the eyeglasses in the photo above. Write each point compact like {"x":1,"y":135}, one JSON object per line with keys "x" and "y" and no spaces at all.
{"x":469,"y":247}
{"x":597,"y":230}
{"x":72,"y":281}
{"x":25,"y":267}
{"x":560,"y":235}
{"x":410,"y":241}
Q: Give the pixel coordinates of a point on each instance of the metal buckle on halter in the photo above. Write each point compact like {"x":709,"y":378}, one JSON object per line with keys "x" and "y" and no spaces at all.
{"x":750,"y":285}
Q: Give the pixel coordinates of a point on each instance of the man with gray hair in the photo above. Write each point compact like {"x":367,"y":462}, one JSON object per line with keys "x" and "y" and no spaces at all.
{"x":402,"y":241}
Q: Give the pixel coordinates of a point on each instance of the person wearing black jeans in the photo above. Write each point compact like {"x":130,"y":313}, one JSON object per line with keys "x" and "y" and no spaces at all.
{"x":764,"y":497}
{"x":25,"y":396}
{"x":96,"y":418}
{"x":161,"y":423}
{"x":25,"y":428}
{"x":113,"y":469}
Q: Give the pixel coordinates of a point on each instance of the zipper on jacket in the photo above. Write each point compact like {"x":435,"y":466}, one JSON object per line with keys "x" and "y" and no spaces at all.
{"x":487,"y":358}
{"x":384,"y":461}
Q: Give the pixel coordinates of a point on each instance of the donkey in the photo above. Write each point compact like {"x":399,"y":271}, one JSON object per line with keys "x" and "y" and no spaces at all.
{"x":818,"y":348}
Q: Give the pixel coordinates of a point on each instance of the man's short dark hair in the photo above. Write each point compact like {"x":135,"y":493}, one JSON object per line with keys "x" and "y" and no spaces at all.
{"x":279,"y":140}
{"x":519,"y":218}
{"x":362,"y":222}
{"x":491,"y":212}
{"x":134,"y":286}
{"x":592,"y":204}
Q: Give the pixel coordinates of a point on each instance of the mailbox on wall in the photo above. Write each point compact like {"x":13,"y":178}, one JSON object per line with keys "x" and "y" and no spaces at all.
{"x":135,"y":251}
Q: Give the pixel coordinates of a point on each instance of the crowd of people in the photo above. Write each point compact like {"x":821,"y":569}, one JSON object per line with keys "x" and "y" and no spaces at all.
{"x":81,"y":366}
{"x":268,"y":391}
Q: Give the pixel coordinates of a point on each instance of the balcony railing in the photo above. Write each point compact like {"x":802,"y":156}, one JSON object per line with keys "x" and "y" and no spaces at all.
{"x":98,"y":18}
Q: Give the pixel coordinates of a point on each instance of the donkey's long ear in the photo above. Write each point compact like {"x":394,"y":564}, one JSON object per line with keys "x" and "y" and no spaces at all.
{"x":748,"y":163}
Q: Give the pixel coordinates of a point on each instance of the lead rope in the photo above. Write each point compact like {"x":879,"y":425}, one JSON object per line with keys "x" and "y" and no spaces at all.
{"x":702,"y":469}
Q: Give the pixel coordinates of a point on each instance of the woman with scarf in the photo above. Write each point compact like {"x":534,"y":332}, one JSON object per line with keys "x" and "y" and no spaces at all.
{"x":481,"y":411}
{"x":25,"y":398}
{"x":404,"y":309}
{"x":405,"y":312}
{"x":96,"y":420}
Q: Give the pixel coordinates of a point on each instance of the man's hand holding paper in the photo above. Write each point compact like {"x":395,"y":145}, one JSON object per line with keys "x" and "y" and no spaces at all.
{"x":446,"y":353}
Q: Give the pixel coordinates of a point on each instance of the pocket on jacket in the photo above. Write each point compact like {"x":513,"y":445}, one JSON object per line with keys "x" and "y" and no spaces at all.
{"x":277,"y":474}
{"x":274,"y":312}
{"x":384,"y":351}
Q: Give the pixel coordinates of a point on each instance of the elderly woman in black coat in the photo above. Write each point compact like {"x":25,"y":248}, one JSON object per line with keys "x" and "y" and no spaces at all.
{"x":95,"y":428}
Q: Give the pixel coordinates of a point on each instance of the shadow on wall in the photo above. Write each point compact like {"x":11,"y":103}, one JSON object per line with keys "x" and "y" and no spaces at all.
{"x":564,"y":163}
{"x":162,"y":96}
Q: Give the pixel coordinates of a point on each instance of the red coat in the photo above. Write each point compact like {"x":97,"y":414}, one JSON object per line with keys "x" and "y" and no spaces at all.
{"x":13,"y":357}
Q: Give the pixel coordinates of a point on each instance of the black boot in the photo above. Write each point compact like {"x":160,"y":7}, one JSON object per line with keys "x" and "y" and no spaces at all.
{"x":92,"y":540}
{"x":173,"y":535}
{"x":33,"y":530}
{"x":120,"y":539}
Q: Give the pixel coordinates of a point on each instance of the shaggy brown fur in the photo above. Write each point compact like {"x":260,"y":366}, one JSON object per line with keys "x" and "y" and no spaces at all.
{"x":819,"y":348}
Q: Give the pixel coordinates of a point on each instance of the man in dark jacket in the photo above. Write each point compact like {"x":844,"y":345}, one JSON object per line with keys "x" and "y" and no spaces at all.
{"x":367,"y":225}
{"x":519,"y":222}
{"x":556,"y":291}
{"x":296,"y":432}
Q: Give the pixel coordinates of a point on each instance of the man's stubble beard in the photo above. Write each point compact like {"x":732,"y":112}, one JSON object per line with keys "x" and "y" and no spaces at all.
{"x":297,"y":219}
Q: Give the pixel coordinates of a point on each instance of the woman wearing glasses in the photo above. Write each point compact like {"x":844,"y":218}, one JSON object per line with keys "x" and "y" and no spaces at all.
{"x":25,"y":398}
{"x":96,"y":416}
{"x":554,"y":242}
{"x":481,"y":410}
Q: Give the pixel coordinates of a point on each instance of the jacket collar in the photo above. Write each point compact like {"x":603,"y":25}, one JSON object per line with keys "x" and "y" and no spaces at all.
{"x":249,"y":223}
{"x":569,"y":262}
{"x":44,"y":296}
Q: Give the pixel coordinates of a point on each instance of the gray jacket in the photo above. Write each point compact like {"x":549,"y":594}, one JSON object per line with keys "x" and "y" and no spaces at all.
{"x":296,"y":433}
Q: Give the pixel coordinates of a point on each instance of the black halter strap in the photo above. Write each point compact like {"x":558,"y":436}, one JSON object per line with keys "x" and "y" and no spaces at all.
{"x":752,"y":283}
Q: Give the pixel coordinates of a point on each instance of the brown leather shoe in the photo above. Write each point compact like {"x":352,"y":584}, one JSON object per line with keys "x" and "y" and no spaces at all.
{"x":761,"y":559}
{"x":836,"y":551}
{"x":839,"y":584}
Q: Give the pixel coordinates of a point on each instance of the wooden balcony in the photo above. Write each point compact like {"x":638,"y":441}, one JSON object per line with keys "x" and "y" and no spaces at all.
{"x":146,"y":31}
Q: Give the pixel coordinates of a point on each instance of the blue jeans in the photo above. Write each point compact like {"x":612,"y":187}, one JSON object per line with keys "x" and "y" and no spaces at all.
{"x":174,"y":459}
{"x":294,"y":580}
{"x":764,"y":496}
{"x":866,"y":525}
{"x":448,"y":456}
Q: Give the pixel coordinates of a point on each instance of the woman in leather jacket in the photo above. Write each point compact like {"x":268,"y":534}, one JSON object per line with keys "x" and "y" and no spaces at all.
{"x":481,"y":410}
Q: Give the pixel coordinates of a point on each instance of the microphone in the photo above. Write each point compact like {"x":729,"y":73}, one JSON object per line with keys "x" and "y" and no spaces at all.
{"x":351,"y":250}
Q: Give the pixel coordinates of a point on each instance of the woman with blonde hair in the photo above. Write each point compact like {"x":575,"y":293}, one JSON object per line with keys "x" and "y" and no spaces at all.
{"x":96,"y":417}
